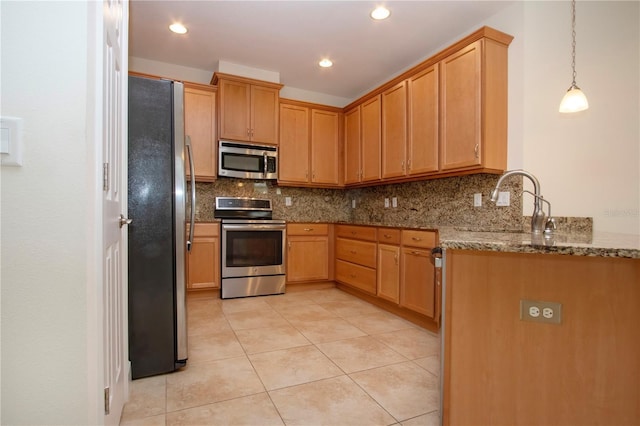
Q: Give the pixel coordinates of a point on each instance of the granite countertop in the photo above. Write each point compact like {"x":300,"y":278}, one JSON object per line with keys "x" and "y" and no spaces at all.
{"x":601,"y":244}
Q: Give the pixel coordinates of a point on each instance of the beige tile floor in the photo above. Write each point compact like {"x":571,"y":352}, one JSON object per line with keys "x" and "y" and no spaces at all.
{"x":317,"y":357}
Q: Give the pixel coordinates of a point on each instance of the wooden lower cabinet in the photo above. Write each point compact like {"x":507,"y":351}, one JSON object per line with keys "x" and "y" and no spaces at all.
{"x":417,"y":287}
{"x":356,"y":257}
{"x":389,"y":272}
{"x":307,"y":252}
{"x":501,"y":370}
{"x":203,"y":261}
{"x":418,"y":283}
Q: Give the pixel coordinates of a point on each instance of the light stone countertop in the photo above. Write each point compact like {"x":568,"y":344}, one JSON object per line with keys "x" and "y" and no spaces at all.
{"x":599,"y":244}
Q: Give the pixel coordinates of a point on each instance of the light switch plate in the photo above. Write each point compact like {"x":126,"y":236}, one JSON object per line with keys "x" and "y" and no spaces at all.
{"x":504,"y":199}
{"x":287,"y":201}
{"x":11,"y":141}
{"x":477,"y":199}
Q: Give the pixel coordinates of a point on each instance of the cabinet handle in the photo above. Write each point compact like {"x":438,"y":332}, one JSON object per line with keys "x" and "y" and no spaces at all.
{"x":395,"y":257}
{"x":416,"y":239}
{"x":402,"y":164}
{"x":353,"y":275}
{"x":289,"y":245}
{"x":387,"y":236}
{"x":476,"y":150}
{"x":354,"y":232}
{"x":308,"y":229}
{"x":352,"y":251}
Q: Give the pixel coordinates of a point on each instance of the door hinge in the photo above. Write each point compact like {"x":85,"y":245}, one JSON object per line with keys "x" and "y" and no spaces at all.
{"x":105,"y":176}
{"x":107,"y":402}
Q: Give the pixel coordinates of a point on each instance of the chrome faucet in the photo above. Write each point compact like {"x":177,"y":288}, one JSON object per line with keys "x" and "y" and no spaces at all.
{"x":538,"y":224}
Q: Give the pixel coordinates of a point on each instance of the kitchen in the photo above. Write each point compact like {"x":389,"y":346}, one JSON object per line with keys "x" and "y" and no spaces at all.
{"x":604,"y":140}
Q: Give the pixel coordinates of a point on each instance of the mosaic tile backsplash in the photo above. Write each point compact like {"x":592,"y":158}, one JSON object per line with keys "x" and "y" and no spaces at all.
{"x":426,"y":204}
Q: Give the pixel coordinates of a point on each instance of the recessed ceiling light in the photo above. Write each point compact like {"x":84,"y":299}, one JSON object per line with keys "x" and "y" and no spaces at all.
{"x":325,"y":63}
{"x":380,"y":13}
{"x":178,"y":28}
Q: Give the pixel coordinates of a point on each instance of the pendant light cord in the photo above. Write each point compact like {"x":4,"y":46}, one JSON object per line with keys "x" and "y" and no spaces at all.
{"x":573,"y":44}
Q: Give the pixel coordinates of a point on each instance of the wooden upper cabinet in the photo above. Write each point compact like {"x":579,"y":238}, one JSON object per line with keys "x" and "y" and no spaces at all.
{"x":325,"y":147}
{"x":423,"y":122}
{"x":371,"y":140}
{"x":363,"y":133}
{"x":264,"y":114}
{"x":461,"y":90}
{"x":248,"y":109}
{"x":394,"y":131}
{"x":200,"y":127}
{"x":352,"y":167}
{"x":309,"y":152}
{"x":473,"y":100}
{"x":293,"y":155}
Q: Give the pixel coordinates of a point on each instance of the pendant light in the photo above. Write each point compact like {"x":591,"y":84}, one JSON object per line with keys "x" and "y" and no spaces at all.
{"x":574,"y":100}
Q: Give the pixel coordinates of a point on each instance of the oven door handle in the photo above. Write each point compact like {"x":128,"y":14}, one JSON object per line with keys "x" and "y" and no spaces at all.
{"x":253,"y":227}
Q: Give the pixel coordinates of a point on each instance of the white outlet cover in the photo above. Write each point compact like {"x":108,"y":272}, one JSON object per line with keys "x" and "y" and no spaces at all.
{"x":547,"y":313}
{"x":534,"y":311}
{"x":287,"y":201}
{"x":386,"y":203}
{"x":394,"y":202}
{"x":353,"y":204}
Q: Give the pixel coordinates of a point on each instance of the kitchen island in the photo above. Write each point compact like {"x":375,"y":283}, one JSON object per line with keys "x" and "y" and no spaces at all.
{"x":500,"y":369}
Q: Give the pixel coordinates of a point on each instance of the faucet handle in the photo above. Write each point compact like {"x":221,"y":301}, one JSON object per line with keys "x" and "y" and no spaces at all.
{"x":550,"y":226}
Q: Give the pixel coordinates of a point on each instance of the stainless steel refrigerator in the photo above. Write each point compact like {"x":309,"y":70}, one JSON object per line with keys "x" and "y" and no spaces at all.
{"x":157,"y":240}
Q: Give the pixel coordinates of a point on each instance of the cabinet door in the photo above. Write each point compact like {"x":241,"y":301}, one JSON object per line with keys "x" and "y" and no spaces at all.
{"x":203,"y":265}
{"x":264,"y":114}
{"x":417,"y":287}
{"x":389,"y":272}
{"x":423,"y":122}
{"x":235,"y":110}
{"x":200,"y":126}
{"x":293,"y":154}
{"x":325,"y":147}
{"x":371,"y":139}
{"x":352,"y":146}
{"x":460,"y":97}
{"x":394,"y":131}
{"x":307,"y":258}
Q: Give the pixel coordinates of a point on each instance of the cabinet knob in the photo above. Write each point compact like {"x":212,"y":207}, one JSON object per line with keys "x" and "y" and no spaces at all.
{"x":308,"y":229}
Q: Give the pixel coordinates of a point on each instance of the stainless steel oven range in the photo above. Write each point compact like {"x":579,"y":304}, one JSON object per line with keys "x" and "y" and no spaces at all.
{"x":253,"y":248}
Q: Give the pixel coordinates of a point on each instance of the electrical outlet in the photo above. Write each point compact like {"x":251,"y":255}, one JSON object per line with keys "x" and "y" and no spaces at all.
{"x":353,"y":204}
{"x":394,"y":202}
{"x":477,"y":199}
{"x":386,"y":203}
{"x":539,"y":311}
{"x":287,"y":201}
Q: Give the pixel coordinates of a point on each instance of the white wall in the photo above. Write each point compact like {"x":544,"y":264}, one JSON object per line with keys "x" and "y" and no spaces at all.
{"x":588,"y":163}
{"x":43,"y":209}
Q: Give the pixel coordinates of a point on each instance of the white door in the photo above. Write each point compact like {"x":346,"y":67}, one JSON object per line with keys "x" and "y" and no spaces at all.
{"x":114,"y":141}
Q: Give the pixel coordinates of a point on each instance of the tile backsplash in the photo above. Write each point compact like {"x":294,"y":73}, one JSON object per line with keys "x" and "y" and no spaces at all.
{"x":430,"y":203}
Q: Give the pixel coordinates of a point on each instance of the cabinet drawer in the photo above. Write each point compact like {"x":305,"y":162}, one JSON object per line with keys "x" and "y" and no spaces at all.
{"x":358,"y":232}
{"x":422,"y":239}
{"x":307,"y":229}
{"x":205,"y":229}
{"x":360,"y":252}
{"x":356,"y":276}
{"x":388,"y":236}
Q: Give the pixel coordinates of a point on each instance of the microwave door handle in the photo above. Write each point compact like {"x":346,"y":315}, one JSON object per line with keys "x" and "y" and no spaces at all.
{"x":265,"y":164}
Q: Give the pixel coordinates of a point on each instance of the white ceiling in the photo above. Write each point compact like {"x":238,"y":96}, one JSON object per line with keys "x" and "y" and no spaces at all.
{"x":290,"y":37}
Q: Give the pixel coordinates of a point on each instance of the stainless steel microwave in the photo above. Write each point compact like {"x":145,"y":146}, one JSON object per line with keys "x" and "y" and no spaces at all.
{"x":247,"y":160}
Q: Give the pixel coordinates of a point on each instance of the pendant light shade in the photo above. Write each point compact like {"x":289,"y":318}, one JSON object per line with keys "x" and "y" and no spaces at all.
{"x":574,"y":100}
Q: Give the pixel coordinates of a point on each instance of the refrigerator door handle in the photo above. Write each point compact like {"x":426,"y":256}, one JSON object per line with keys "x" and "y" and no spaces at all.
{"x":193,"y":193}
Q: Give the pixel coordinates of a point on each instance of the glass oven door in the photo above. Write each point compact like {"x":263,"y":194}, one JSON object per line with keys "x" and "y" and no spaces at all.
{"x":253,"y":248}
